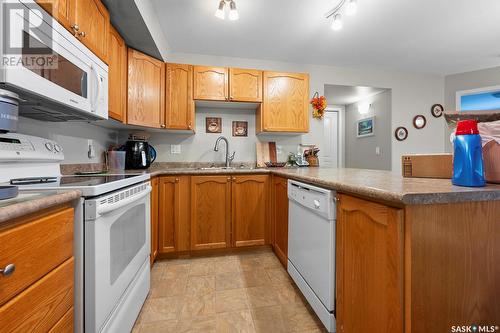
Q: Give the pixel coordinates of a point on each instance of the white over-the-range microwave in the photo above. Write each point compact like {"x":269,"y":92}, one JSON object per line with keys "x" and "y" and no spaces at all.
{"x":57,"y":77}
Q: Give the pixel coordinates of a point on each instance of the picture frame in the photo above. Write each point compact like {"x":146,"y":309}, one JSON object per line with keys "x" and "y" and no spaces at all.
{"x":365,"y":127}
{"x":213,"y":125}
{"x":240,"y":128}
{"x":401,"y":133}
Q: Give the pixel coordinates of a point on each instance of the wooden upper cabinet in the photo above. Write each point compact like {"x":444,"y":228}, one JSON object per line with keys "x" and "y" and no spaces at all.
{"x":250,"y":210}
{"x":280,"y":218}
{"x":146,"y":90}
{"x":285,"y":103}
{"x":117,"y":73}
{"x":179,"y":101}
{"x":210,"y":83}
{"x":61,"y":10}
{"x":369,"y":266}
{"x":210,"y":212}
{"x":90,"y":23}
{"x":245,"y":85}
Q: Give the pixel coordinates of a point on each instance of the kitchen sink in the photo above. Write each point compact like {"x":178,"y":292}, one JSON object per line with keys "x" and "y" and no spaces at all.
{"x":226,"y":168}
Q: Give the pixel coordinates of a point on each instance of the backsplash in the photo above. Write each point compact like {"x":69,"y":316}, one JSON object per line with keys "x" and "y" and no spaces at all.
{"x":200,"y":147}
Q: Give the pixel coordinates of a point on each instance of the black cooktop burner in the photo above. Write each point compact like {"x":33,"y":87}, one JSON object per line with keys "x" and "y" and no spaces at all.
{"x":33,"y":180}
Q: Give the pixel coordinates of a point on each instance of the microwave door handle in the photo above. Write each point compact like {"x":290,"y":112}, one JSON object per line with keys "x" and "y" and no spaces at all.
{"x":98,"y":88}
{"x":108,"y":209}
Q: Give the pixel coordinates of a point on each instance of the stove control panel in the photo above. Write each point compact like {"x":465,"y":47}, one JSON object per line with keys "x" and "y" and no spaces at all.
{"x":16,"y":147}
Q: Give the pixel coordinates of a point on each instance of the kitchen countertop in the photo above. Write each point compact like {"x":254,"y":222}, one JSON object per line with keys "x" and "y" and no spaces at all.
{"x":30,"y":202}
{"x":378,"y":185}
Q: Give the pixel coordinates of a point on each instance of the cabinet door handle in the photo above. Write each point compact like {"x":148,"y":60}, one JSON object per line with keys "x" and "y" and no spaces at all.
{"x":234,"y":178}
{"x":75,"y":27}
{"x":176,"y":180}
{"x":229,"y":178}
{"x":8,"y":270}
{"x":82,"y":34}
{"x":162,"y":125}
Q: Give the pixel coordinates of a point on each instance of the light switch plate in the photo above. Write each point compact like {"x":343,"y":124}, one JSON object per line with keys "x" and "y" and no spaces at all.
{"x":377,"y":150}
{"x":175,"y":149}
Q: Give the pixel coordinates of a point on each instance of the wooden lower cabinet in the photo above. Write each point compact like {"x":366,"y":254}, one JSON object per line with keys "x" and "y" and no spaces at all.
{"x":154,"y":219}
{"x":369,"y":268}
{"x":210,"y":212}
{"x":174,"y":214}
{"x":279,"y":193}
{"x":250,"y":210}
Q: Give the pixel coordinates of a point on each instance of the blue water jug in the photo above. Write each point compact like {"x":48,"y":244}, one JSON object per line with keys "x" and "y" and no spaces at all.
{"x":468,"y":155}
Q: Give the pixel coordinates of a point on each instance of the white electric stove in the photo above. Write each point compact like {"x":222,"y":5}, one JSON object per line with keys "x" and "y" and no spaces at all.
{"x":112,"y":230}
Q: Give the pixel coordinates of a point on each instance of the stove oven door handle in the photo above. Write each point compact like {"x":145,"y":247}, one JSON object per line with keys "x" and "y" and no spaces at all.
{"x":112,"y":207}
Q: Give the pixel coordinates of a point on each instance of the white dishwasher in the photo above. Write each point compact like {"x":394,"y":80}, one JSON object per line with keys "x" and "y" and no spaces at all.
{"x":311,"y":247}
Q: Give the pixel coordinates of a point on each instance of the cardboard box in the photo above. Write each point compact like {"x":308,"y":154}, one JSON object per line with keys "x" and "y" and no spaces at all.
{"x":427,"y":165}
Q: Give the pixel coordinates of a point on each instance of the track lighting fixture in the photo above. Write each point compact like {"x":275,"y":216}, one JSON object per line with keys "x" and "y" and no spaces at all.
{"x":233,"y":12}
{"x":351,"y":6}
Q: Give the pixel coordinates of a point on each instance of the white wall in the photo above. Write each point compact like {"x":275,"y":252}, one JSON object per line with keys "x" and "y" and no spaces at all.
{"x":72,"y":137}
{"x":412,"y":94}
{"x":200,"y":147}
{"x":465,"y":81}
{"x":360,"y":152}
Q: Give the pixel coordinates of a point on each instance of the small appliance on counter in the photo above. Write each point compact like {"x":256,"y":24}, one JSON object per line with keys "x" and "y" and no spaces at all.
{"x":138,"y":153}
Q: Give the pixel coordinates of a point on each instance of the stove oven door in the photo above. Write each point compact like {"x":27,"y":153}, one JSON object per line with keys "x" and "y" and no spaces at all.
{"x":117,"y":246}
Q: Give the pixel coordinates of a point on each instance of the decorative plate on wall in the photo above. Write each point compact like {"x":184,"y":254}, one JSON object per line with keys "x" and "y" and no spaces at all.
{"x":419,"y":121}
{"x":437,"y":110}
{"x":401,"y":133}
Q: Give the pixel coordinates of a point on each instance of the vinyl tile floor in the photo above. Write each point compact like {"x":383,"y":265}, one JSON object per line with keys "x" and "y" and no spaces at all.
{"x":244,"y":292}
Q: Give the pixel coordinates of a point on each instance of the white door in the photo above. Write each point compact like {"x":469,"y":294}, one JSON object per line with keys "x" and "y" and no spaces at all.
{"x":330,"y":156}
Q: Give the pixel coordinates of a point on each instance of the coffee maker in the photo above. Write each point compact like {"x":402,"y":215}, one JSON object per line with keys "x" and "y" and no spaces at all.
{"x":139,"y":154}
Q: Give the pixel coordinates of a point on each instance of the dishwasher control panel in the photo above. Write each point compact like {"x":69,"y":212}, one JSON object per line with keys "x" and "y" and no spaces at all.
{"x":317,"y":199}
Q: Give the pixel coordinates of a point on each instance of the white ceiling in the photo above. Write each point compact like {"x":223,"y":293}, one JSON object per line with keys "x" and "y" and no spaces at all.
{"x":345,"y":95}
{"x":431,"y":36}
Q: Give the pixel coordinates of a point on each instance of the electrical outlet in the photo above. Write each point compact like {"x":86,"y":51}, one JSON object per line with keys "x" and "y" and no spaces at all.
{"x":175,"y":149}
{"x":377,"y":150}
{"x":279,"y":149}
{"x":91,"y":149}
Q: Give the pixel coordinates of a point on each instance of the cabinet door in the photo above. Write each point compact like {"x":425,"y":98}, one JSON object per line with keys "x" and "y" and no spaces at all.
{"x":61,"y":10}
{"x":92,"y":20}
{"x":154,"y":219}
{"x":179,"y":97}
{"x":369,"y":266}
{"x":285,"y":103}
{"x":250,"y":210}
{"x":280,"y":216}
{"x":210,"y":83}
{"x":117,"y":73}
{"x":245,"y":85}
{"x":210,"y":212}
{"x":146,"y":90}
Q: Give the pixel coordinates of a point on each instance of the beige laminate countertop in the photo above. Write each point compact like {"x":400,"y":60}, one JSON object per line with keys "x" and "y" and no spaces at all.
{"x":31,"y":202}
{"x":378,"y":185}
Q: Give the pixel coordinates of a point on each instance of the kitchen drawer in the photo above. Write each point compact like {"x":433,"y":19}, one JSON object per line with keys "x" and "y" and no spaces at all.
{"x":35,"y":246}
{"x":65,"y":324}
{"x":42,"y":305}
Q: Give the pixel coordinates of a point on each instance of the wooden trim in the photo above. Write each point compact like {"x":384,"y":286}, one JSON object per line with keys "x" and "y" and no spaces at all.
{"x":250,"y":243}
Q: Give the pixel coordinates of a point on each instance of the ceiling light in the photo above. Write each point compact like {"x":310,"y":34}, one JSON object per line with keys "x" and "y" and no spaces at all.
{"x":233,"y":13}
{"x":351,"y":8}
{"x":337,"y":22}
{"x":219,"y":13}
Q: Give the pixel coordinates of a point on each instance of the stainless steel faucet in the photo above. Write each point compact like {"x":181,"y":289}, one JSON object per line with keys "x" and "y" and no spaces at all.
{"x":229,"y":159}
